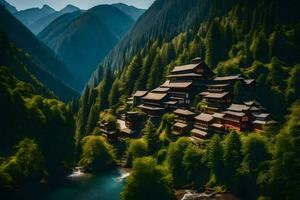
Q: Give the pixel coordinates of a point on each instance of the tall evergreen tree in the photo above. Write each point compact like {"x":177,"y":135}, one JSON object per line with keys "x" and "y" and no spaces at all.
{"x":151,"y":137}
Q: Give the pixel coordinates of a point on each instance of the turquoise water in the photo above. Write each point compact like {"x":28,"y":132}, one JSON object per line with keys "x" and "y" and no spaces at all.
{"x":105,"y":186}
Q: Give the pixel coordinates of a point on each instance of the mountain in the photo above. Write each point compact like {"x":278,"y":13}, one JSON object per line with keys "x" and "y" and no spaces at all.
{"x":69,"y":9}
{"x":8,"y":6}
{"x":34,"y":57}
{"x":37,"y":19}
{"x":131,"y":11}
{"x":29,"y":16}
{"x":82,"y":40}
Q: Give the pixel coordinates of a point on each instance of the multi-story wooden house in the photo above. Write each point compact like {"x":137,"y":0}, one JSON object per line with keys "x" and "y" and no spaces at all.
{"x":184,"y":119}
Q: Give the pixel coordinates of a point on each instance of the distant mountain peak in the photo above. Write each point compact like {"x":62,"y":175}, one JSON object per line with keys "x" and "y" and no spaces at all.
{"x":69,"y":8}
{"x":47,"y":8}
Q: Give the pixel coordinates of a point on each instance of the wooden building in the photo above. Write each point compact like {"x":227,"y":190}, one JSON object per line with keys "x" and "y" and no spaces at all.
{"x":216,"y":101}
{"x":134,"y":121}
{"x":184,"y":119}
{"x":153,"y":104}
{"x":202,"y":125}
{"x":238,"y":117}
{"x":262,"y":121}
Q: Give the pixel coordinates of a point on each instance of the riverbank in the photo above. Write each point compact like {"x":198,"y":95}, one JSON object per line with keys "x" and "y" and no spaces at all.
{"x":184,"y":194}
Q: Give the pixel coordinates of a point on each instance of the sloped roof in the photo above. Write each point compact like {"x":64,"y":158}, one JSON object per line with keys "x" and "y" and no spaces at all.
{"x":140,"y":93}
{"x":155,"y":96}
{"x":227,"y":78}
{"x":199,"y":132}
{"x":216,"y":125}
{"x":218,"y":115}
{"x":184,"y":67}
{"x":251,"y":103}
{"x":184,"y":112}
{"x":153,"y":108}
{"x":161,"y":89}
{"x":184,"y":75}
{"x":216,"y":95}
{"x":218,"y":85}
{"x":238,"y":107}
{"x":177,"y":84}
{"x":204,"y":117}
{"x":262,"y":115}
{"x":238,"y":114}
{"x":171,"y":102}
{"x":180,"y":125}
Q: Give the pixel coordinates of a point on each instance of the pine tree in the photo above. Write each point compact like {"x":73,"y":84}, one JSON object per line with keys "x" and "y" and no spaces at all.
{"x":104,"y":88}
{"x":82,"y":115}
{"x":232,"y":157}
{"x":215,"y":159}
{"x":132,"y":73}
{"x":114,"y":94}
{"x":151,"y":137}
{"x":155,"y":73}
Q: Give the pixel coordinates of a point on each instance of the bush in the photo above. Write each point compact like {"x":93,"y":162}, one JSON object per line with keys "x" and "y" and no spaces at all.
{"x":97,"y":154}
{"x":147,"y":181}
{"x":137,"y":148}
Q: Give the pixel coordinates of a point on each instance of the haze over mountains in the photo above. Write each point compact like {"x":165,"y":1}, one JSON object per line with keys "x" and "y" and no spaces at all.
{"x":81,"y":40}
{"x":36,"y":19}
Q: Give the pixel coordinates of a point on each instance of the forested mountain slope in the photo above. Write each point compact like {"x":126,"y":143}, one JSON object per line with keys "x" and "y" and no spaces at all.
{"x":254,"y":38}
{"x":20,"y":36}
{"x":37,"y":129}
{"x":82,"y":40}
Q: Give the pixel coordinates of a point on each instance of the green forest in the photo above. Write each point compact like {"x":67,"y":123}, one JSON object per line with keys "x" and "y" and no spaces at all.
{"x":47,"y":129}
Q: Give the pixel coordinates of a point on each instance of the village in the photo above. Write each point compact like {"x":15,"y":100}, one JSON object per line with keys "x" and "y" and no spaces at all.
{"x":219,"y":113}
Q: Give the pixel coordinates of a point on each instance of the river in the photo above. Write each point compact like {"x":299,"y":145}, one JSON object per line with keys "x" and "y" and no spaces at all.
{"x":106,"y":186}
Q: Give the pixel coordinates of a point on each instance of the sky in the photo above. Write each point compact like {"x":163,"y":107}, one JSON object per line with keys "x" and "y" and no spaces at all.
{"x":83,"y":4}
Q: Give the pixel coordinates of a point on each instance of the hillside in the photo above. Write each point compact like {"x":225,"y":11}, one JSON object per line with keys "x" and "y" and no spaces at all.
{"x":263,"y":46}
{"x":42,"y":61}
{"x":81,"y":41}
{"x":131,"y":11}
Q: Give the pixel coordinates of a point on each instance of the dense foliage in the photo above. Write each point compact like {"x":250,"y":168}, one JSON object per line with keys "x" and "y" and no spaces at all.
{"x":42,"y":129}
{"x":97,"y":154}
{"x":254,"y":38}
{"x":147,"y":181}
